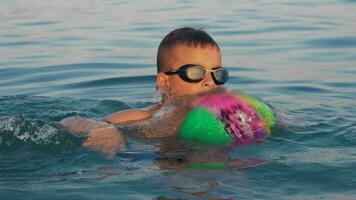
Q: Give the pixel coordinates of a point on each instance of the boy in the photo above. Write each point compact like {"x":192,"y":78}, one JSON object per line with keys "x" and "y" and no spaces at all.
{"x":188,"y":63}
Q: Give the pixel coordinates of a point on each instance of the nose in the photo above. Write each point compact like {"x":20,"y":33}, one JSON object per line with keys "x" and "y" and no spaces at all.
{"x":208,"y":81}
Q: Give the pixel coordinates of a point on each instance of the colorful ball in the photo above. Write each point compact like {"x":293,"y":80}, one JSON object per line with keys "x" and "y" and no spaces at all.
{"x":227,"y":118}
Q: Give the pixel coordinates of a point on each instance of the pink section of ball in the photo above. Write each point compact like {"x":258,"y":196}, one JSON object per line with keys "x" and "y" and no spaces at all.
{"x":239,"y":117}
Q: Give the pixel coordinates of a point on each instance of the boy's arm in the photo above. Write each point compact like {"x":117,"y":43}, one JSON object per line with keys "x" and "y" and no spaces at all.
{"x":131,"y":115}
{"x":127,"y":116}
{"x":80,"y":126}
{"x":101,"y":136}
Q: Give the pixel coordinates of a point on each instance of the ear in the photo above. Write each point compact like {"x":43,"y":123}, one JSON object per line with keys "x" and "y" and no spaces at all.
{"x":162,"y":82}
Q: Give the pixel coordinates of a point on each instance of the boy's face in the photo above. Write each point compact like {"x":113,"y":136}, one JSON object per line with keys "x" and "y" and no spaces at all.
{"x":208,"y":57}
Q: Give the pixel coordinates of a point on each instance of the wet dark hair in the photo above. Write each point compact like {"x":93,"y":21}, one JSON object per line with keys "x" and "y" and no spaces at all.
{"x":185,"y":35}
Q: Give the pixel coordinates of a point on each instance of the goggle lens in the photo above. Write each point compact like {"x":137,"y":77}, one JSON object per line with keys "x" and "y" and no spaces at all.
{"x":220,"y":76}
{"x":195,"y":73}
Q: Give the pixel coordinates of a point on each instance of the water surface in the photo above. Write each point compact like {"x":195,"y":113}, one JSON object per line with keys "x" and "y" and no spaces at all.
{"x":92,"y":58}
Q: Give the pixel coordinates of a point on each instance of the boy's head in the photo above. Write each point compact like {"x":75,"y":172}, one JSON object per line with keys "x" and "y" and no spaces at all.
{"x":197,"y":58}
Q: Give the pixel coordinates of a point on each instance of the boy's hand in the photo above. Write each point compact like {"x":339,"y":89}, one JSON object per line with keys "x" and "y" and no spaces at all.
{"x":101,"y":136}
{"x":106,"y":139}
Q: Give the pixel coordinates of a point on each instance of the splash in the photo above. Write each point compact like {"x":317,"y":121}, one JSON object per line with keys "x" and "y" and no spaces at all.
{"x":16,"y":132}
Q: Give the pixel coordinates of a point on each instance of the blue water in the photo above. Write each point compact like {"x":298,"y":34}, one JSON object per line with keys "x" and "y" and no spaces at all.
{"x":92,"y":58}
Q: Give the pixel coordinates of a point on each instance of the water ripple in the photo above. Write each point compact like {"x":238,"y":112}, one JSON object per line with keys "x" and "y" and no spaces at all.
{"x":303,"y":89}
{"x":39,"y":23}
{"x":111,"y":81}
{"x":20,"y":43}
{"x":335,"y":42}
{"x":271,"y":29}
{"x":341,"y":84}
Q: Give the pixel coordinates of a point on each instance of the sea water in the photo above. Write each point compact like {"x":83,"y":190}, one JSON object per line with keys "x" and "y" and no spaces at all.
{"x":91,"y":58}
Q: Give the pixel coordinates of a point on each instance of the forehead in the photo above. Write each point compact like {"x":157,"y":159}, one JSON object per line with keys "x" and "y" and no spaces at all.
{"x":208,"y":56}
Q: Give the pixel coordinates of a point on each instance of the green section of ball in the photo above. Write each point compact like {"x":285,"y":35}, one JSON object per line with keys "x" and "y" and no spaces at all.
{"x":203,"y":126}
{"x":263,"y":109}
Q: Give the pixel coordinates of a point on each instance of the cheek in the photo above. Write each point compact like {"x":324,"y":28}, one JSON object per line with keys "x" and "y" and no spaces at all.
{"x":181,"y":87}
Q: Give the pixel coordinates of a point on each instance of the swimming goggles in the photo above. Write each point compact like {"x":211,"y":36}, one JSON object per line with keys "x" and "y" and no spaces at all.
{"x":195,"y":73}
